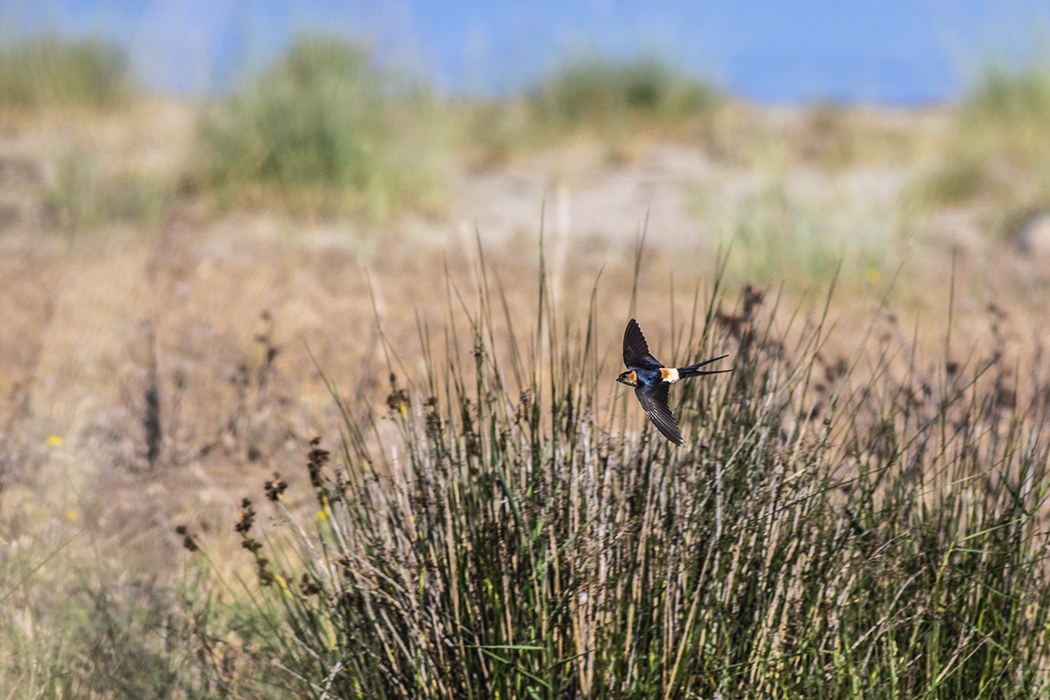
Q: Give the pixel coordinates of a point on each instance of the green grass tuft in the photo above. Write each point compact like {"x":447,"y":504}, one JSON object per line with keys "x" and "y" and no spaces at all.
{"x":83,"y":196}
{"x":605,"y":96}
{"x":776,"y":233}
{"x":1001,"y":142}
{"x":1011,"y":94}
{"x":50,"y":72}
{"x":323,"y":129}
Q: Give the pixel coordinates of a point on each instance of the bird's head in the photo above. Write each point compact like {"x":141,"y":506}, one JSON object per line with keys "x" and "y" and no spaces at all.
{"x":630,"y":378}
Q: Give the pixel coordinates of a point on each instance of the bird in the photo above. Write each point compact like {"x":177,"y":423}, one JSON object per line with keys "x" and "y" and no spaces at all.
{"x":652,"y":381}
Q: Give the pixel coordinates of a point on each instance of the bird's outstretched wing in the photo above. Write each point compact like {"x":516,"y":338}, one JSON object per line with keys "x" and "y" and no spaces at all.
{"x":654,"y":401}
{"x":636,"y":350}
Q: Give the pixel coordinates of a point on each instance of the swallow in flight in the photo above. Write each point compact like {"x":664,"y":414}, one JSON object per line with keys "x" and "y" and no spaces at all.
{"x":652,"y":381}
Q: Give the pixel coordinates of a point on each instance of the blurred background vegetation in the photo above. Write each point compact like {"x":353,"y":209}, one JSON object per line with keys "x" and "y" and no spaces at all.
{"x":324,"y":130}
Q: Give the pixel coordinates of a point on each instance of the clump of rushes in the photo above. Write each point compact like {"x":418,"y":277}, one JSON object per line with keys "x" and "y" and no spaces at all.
{"x":823,"y":534}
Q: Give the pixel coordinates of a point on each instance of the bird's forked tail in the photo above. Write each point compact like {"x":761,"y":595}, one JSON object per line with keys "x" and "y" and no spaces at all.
{"x":695,"y":371}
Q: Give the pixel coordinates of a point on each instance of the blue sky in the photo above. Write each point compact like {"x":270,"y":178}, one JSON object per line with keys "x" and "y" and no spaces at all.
{"x":889,"y":51}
